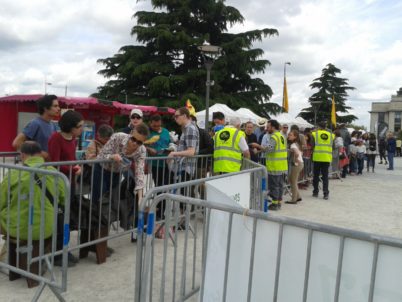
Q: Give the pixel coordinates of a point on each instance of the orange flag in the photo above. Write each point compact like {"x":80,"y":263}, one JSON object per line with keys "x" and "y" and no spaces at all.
{"x":333,"y":112}
{"x":190,"y":108}
{"x":285,"y":103}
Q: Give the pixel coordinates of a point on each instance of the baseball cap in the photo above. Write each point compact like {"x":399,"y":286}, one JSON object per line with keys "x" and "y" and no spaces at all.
{"x":137,"y":111}
{"x":218,"y":127}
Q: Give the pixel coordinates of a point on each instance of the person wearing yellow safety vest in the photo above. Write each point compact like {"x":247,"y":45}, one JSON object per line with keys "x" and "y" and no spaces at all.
{"x":276,"y":163}
{"x":229,"y":147}
{"x":322,"y":157}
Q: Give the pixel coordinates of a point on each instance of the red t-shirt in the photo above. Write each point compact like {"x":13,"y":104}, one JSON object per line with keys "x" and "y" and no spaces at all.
{"x":61,"y":149}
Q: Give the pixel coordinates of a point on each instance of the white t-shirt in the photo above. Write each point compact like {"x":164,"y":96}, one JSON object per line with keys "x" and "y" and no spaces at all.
{"x":297,"y":153}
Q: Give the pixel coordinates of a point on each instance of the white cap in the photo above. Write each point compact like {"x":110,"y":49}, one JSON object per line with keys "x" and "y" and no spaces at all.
{"x":137,"y":111}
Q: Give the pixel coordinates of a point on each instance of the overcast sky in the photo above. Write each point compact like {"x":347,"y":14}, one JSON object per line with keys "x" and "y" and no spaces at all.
{"x":62,"y":40}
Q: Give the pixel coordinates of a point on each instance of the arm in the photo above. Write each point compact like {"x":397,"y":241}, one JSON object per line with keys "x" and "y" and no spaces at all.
{"x":139,"y":173}
{"x":189,"y":152}
{"x":244,"y":147}
{"x":110,"y":149}
{"x":3,"y":193}
{"x":18,"y":141}
{"x":151,"y":151}
{"x":91,"y":151}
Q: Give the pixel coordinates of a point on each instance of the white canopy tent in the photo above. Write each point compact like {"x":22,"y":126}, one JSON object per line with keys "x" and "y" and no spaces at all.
{"x":286,"y":118}
{"x":250,"y":115}
{"x":221,"y":108}
{"x":302,"y":123}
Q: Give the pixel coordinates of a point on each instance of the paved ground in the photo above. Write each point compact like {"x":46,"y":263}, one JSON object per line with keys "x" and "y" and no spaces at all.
{"x":371,"y":202}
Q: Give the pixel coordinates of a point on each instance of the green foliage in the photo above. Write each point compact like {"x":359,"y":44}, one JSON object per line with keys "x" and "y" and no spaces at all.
{"x":167,"y":68}
{"x":328,"y":85}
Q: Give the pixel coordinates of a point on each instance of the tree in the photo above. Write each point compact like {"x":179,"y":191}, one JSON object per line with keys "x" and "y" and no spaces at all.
{"x":167,"y":68}
{"x":329,"y":85}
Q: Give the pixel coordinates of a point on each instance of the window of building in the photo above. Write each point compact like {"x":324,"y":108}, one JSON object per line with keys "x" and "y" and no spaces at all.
{"x":397,"y":121}
{"x":381,"y":117}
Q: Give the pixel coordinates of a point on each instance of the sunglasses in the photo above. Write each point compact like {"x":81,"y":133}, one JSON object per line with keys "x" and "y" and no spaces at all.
{"x":135,"y":117}
{"x":137,"y":141}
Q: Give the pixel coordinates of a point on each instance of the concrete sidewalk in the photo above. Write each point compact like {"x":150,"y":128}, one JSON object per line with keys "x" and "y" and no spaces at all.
{"x":371,"y":203}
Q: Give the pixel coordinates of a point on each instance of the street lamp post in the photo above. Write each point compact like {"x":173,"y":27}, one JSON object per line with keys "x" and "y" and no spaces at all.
{"x":210,"y":53}
{"x":316,"y":106}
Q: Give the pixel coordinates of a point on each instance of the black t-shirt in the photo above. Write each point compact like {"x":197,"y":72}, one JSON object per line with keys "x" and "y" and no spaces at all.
{"x":252,"y":138}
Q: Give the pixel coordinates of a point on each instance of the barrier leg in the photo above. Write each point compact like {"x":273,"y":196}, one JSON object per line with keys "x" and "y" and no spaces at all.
{"x":34,"y":267}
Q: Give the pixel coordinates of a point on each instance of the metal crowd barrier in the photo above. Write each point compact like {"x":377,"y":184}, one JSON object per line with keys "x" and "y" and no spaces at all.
{"x":8,"y":158}
{"x":35,"y":229}
{"x":263,"y":258}
{"x":102,"y":217}
{"x":183,"y":213}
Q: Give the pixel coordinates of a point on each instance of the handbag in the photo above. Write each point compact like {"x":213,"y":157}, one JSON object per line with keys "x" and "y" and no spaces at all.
{"x":342,"y":153}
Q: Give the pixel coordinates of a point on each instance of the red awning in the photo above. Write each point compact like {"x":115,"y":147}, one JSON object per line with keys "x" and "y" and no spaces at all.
{"x":126,"y":108}
{"x":88,"y":101}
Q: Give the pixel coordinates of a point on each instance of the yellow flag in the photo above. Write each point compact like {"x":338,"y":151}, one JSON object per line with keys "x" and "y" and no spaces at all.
{"x":285,"y":104}
{"x":190,"y":108}
{"x":333,"y":112}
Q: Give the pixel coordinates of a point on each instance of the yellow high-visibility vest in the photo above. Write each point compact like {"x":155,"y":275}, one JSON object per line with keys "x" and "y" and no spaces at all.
{"x":227,"y":153}
{"x":277,"y":161}
{"x":323,"y":141}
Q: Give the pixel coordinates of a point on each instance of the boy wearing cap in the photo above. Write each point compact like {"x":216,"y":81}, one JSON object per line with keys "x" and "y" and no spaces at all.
{"x":136,"y":116}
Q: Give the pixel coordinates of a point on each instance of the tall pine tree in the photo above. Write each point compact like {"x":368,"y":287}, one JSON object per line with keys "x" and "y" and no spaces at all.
{"x":166,"y":67}
{"x":328,"y":85}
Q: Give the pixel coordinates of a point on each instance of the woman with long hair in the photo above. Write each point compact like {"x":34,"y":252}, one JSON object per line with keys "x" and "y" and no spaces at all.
{"x":297,"y":165}
{"x":371,"y":151}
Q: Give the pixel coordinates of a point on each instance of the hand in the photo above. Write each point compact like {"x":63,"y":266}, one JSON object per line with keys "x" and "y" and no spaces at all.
{"x":77,"y":169}
{"x":172,"y":154}
{"x":151,"y":151}
{"x":254,"y":145}
{"x":116,"y":157}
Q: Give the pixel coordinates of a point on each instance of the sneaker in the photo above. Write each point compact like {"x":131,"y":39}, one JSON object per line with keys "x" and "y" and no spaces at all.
{"x":315,"y":195}
{"x":273,"y":207}
{"x":326,"y":197}
{"x":72,"y":258}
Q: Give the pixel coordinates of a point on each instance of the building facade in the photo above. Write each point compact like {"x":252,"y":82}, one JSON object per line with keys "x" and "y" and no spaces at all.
{"x":386,"y":116}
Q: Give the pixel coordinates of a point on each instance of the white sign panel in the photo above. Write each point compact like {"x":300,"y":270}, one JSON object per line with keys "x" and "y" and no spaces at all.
{"x":237,"y":187}
{"x":323,"y":265}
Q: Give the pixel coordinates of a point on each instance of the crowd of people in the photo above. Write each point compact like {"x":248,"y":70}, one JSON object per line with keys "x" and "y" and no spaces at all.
{"x":282,"y":150}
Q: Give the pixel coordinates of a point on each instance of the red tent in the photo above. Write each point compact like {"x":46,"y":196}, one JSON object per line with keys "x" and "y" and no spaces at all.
{"x":17,"y":110}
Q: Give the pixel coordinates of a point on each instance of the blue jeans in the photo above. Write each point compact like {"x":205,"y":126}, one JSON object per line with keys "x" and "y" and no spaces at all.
{"x":391,"y":160}
{"x":105,"y":186}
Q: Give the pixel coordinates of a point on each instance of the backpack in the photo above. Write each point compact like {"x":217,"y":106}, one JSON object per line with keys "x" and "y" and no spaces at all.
{"x":206,"y":142}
